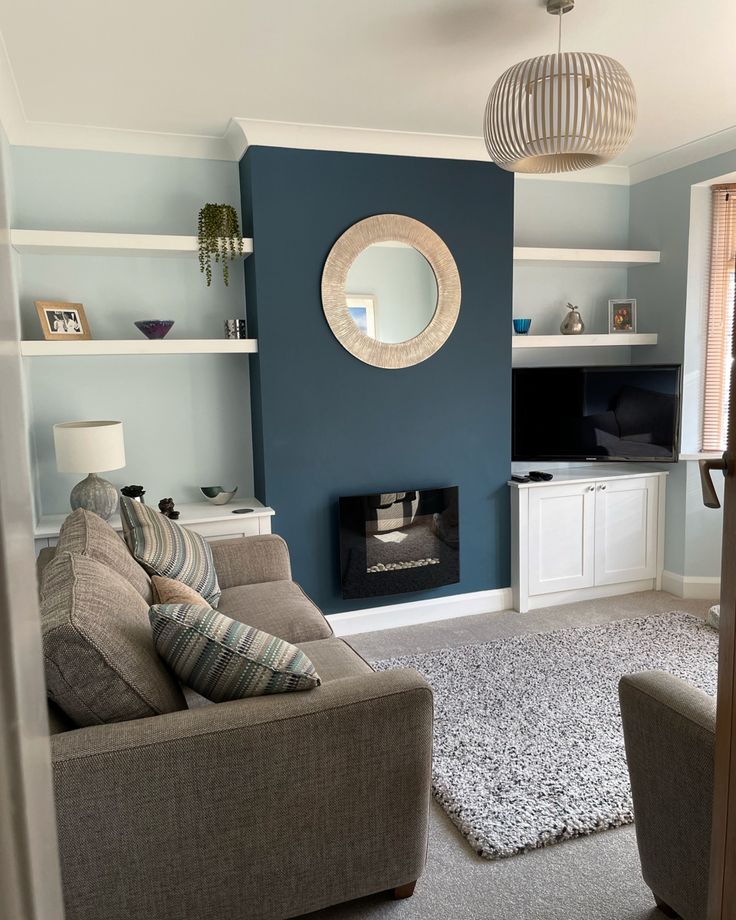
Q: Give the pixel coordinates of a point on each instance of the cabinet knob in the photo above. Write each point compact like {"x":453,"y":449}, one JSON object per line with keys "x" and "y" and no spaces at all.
{"x":591,"y":488}
{"x":602,"y":487}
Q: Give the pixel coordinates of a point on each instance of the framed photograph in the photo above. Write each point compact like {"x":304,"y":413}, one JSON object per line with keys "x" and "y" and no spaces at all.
{"x":622,"y":315}
{"x":362,"y":308}
{"x":62,"y":321}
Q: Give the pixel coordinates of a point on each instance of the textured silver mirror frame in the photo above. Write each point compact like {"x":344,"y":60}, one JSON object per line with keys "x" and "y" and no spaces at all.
{"x":379,"y":229}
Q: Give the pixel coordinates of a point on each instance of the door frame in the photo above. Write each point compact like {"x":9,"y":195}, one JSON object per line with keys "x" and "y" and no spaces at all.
{"x":30,"y":877}
{"x":722,"y":901}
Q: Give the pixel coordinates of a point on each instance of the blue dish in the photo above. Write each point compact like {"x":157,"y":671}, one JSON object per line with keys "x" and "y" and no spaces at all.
{"x":154,"y":328}
{"x":521,"y":326}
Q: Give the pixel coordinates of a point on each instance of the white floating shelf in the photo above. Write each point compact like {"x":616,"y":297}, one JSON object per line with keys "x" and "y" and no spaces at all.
{"x":63,"y":242}
{"x":585,"y":258}
{"x":584,"y":341}
{"x":140,"y":347}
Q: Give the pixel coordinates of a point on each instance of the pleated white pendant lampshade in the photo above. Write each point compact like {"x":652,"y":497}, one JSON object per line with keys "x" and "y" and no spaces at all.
{"x":560,"y":112}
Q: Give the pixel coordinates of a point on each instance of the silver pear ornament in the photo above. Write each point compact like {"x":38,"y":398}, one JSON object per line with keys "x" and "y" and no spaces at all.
{"x":573,"y":323}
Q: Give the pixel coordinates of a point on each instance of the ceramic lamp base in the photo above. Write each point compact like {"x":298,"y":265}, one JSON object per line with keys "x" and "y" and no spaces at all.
{"x":95,"y":494}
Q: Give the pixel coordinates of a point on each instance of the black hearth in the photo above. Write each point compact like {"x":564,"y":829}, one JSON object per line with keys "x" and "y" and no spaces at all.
{"x":393,"y":542}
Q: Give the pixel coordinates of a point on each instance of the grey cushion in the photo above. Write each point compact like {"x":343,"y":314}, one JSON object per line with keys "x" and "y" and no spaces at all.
{"x":332,"y":658}
{"x":86,"y":534}
{"x":225,"y":660}
{"x":101,"y":665}
{"x":164,"y":547}
{"x":277,"y":607}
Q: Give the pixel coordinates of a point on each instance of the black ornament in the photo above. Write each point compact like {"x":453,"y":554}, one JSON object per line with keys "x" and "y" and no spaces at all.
{"x":166,"y":507}
{"x":134,"y":492}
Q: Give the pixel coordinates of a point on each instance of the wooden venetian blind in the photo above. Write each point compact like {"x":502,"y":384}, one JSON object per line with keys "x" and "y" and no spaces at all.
{"x":719,"y":339}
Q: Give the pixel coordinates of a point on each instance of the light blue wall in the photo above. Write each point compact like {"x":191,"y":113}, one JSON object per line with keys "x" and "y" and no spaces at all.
{"x":187,"y":418}
{"x":660,"y":219}
{"x":574,"y":214}
{"x":403,"y":285}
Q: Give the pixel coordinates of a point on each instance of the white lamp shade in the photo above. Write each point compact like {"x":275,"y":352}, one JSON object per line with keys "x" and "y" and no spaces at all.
{"x":89,"y":447}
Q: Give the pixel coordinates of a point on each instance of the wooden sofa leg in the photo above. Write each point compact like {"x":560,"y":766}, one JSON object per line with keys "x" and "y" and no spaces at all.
{"x":665,"y":908}
{"x":404,"y":891}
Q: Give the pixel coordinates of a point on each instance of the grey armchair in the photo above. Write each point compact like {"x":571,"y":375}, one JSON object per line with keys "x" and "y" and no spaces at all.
{"x":669,"y":730}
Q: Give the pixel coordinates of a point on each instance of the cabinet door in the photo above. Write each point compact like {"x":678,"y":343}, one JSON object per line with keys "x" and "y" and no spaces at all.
{"x":625,"y":530}
{"x":561,"y":537}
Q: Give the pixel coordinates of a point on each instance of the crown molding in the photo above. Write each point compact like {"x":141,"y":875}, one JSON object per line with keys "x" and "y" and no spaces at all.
{"x":261,"y":133}
{"x":686,"y":155}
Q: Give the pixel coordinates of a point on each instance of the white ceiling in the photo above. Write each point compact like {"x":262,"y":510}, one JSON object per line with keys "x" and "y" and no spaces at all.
{"x":185,"y":68}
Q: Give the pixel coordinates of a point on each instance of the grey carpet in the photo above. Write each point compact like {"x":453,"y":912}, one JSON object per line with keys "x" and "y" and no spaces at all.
{"x":528,"y":744}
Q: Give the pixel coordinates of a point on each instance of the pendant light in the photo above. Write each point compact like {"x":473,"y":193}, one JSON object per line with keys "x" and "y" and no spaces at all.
{"x":560,"y":112}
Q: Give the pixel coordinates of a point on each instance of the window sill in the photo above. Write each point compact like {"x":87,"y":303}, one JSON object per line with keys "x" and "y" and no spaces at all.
{"x":702,"y":455}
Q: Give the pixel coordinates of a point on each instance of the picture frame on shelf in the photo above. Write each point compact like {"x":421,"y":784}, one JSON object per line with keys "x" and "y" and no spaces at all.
{"x":62,"y":321}
{"x":362,"y":309}
{"x":622,"y":315}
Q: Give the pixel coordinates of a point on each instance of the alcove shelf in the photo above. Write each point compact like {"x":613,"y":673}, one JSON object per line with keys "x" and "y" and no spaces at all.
{"x":67,"y":242}
{"x":585,"y":258}
{"x":39,"y":349}
{"x":608,"y":340}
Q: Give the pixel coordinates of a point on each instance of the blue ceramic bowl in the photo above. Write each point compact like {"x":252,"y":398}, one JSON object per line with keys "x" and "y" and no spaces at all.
{"x":521,"y":326}
{"x":154,"y":328}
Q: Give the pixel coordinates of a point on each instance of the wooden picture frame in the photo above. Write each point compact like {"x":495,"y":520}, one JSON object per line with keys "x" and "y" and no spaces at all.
{"x":61,"y":321}
{"x":622,"y":315}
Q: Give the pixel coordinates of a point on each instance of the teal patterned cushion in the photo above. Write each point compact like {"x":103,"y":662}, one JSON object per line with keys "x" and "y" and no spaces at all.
{"x":226,"y":660}
{"x":165,"y":548}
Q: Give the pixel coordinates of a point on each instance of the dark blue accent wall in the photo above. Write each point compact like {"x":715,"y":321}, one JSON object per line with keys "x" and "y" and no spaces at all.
{"x":324,"y":423}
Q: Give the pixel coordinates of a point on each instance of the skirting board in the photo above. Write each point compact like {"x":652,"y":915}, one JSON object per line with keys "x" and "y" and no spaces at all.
{"x":695,"y":587}
{"x":413,"y":612}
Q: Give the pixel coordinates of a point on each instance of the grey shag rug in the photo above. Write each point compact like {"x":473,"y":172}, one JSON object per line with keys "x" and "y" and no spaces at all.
{"x":528,"y":746}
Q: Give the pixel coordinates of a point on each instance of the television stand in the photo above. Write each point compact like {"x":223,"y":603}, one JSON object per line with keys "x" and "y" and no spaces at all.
{"x":591,"y":532}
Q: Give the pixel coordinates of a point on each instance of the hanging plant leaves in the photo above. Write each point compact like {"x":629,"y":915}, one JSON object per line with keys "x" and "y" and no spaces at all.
{"x":218,"y":235}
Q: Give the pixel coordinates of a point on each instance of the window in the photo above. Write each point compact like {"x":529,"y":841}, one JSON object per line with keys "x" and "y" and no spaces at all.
{"x":719,"y":338}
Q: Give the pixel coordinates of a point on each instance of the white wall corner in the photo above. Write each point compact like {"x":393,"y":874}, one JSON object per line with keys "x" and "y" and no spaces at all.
{"x":691,"y":587}
{"x":413,"y":613}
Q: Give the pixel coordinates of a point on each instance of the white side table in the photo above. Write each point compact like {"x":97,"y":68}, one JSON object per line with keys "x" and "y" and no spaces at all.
{"x":214,"y":522}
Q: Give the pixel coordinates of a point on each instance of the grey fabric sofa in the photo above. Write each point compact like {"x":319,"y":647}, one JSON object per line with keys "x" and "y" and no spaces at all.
{"x":262,"y":808}
{"x":669,"y":729}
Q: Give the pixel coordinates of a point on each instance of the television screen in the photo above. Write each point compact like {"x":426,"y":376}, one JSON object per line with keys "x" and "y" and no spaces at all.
{"x":596,"y":413}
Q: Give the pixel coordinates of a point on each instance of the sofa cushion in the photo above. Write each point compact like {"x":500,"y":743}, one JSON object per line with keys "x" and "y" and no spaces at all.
{"x":101,"y":665}
{"x":226,"y":660}
{"x":278,"y":607}
{"x":86,"y":534}
{"x":171,"y":591}
{"x":164,"y":547}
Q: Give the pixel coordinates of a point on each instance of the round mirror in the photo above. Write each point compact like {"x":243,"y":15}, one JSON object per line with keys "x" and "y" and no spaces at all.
{"x":391,"y":291}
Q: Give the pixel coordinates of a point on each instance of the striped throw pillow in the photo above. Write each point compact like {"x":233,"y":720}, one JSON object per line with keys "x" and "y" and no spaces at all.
{"x":164,"y":547}
{"x":226,"y":660}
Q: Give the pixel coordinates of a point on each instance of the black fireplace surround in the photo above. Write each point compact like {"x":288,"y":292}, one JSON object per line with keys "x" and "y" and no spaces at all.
{"x":394,"y":542}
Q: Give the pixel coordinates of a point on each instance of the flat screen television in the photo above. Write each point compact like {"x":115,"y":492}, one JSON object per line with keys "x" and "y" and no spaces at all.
{"x":597,"y":413}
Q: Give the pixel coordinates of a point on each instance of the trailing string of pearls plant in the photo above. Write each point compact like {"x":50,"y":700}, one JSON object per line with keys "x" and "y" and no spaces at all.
{"x":218,"y":235}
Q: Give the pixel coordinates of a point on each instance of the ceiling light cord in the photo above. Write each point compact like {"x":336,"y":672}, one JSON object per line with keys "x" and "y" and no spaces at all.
{"x":559,"y":33}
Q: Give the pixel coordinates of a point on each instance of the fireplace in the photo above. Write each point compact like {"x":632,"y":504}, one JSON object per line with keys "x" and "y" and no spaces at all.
{"x":393,"y":542}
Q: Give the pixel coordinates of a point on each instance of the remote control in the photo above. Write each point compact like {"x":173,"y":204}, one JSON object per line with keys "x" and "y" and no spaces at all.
{"x":516,"y":478}
{"x":242,"y":510}
{"x":539,"y":476}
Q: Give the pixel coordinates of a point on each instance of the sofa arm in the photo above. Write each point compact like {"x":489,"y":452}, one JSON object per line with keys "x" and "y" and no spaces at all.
{"x":669,"y":730}
{"x":251,"y":560}
{"x":282,"y":803}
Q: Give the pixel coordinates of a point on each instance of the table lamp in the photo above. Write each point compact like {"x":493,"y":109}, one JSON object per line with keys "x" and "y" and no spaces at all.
{"x":84,"y":446}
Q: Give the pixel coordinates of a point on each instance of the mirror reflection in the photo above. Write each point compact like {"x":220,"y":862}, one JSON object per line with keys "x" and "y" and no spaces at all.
{"x":391,"y":292}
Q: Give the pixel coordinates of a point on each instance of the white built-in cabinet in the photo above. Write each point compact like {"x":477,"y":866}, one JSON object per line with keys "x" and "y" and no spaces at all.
{"x":587,"y":533}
